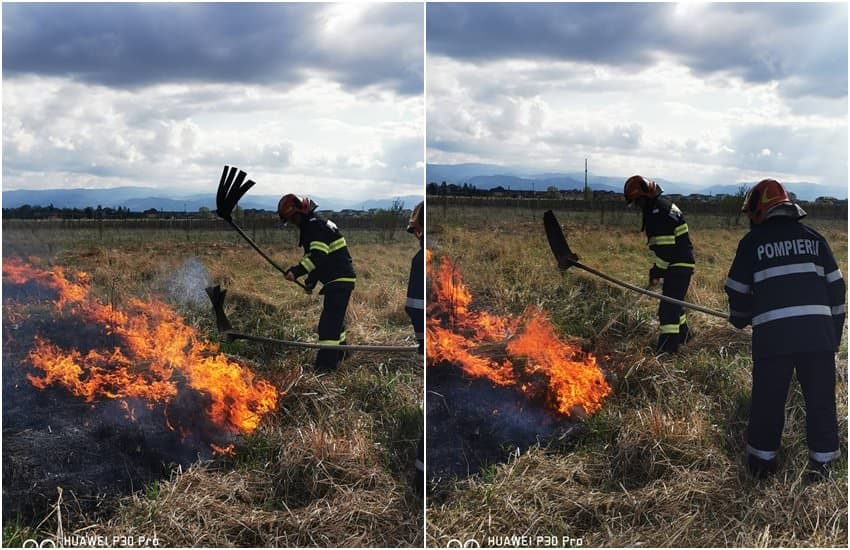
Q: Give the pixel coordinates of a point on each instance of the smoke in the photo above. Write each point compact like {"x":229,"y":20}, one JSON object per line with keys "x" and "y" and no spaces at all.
{"x":187,"y":285}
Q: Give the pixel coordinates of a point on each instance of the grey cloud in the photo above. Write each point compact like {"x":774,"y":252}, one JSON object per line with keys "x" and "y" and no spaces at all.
{"x":131,"y":45}
{"x":615,"y":137}
{"x":802,"y":46}
{"x":821,"y":151}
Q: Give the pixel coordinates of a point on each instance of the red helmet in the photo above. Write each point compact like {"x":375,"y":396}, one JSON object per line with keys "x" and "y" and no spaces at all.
{"x":290,"y":204}
{"x":761,"y":199}
{"x":638,"y":187}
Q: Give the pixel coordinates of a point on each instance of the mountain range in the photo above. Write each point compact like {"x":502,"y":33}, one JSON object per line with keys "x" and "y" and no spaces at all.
{"x":139,"y":199}
{"x":489,"y":176}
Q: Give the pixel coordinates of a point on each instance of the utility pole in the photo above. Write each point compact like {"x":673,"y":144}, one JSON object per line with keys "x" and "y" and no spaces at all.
{"x":587,"y":195}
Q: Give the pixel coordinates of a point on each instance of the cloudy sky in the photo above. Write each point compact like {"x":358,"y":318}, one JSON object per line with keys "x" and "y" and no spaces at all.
{"x":317,"y":99}
{"x":693,"y":92}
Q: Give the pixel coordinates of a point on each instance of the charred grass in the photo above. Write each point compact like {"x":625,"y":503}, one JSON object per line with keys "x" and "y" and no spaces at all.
{"x":333,"y":466}
{"x":661,"y":463}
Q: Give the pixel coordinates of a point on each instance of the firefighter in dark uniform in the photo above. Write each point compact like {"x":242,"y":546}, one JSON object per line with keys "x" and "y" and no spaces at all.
{"x":667,"y":235}
{"x":785,"y":282}
{"x":415,"y":308}
{"x":326,"y":259}
{"x":415,"y":304}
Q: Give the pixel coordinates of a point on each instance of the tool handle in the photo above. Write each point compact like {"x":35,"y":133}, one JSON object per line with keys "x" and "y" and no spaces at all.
{"x":263,"y":254}
{"x":230,"y":335}
{"x":657,"y":295}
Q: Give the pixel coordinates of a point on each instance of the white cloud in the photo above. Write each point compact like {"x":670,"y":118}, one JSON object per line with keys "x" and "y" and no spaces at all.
{"x":317,"y":136}
{"x":679,"y":125}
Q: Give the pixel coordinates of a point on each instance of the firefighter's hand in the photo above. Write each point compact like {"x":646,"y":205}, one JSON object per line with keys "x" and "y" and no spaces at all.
{"x":309,"y":286}
{"x":655,"y":275}
{"x":290,"y":276}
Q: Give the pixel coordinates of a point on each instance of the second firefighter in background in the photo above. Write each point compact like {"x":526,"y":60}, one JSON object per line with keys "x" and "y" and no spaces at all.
{"x":667,"y":236}
{"x":326,"y":260}
{"x":415,"y":303}
{"x":415,"y":308}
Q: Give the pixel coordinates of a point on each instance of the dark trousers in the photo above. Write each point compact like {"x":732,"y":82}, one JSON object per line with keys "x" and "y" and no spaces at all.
{"x":671,"y":317}
{"x":332,"y":326}
{"x":771,"y":379}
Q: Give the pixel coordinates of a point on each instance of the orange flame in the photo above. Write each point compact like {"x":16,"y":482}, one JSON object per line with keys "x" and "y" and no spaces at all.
{"x":149,"y":352}
{"x":228,"y":450}
{"x":534,"y":354}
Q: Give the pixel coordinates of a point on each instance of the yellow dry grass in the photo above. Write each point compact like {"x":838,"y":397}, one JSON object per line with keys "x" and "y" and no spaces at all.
{"x":334,"y":465}
{"x":661,"y":463}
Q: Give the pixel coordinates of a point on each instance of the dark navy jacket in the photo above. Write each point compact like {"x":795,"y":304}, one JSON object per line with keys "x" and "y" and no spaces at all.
{"x":785,"y":282}
{"x":667,"y":235}
{"x":326,"y":256}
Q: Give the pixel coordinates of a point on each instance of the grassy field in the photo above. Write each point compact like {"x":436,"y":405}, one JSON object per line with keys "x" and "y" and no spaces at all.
{"x":661,"y":463}
{"x":333,"y":466}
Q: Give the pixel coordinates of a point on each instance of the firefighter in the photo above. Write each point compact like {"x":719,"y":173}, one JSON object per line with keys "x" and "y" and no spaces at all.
{"x":326,"y":259}
{"x":785,"y":282}
{"x":415,"y":304}
{"x":415,"y":308}
{"x":667,"y":235}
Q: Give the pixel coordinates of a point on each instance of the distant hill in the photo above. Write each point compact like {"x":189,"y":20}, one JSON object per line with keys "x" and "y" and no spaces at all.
{"x":138,"y":199}
{"x":489,"y":176}
{"x":504,"y":181}
{"x":74,"y":198}
{"x":805,"y":191}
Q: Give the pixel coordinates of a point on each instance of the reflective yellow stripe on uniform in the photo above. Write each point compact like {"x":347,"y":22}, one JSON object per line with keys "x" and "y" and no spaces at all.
{"x":336,"y":245}
{"x":682,"y":264}
{"x":683,"y":319}
{"x":680,"y":230}
{"x":330,"y":342}
{"x":662,"y":240}
{"x":661,"y":263}
{"x":320,"y":246}
{"x":669,"y":329}
{"x":308,"y":264}
{"x":344,"y":280}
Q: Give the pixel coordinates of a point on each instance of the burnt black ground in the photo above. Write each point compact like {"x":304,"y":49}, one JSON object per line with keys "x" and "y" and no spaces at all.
{"x":471,"y":424}
{"x":93,"y":450}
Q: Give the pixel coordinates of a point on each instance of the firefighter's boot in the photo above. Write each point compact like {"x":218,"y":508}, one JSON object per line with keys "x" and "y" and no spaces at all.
{"x":685,"y":334}
{"x":761,"y":468}
{"x":668,"y":343}
{"x":817,"y":471}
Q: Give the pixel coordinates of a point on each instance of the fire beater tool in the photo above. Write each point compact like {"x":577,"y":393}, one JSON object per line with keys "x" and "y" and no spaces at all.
{"x":217,"y":294}
{"x":231,"y":188}
{"x":566,"y":258}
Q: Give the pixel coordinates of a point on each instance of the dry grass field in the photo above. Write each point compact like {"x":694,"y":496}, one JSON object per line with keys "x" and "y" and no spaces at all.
{"x":661,"y":463}
{"x":333,"y":465}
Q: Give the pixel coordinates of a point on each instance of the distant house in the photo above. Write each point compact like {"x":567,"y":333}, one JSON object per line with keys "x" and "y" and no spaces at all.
{"x":827,"y":201}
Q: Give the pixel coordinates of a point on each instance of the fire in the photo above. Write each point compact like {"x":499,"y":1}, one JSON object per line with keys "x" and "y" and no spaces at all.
{"x":145,"y":351}
{"x":523,"y":352}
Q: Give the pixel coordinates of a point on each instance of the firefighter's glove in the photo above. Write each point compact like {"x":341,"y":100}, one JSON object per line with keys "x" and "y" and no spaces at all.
{"x":309,"y":286}
{"x":289,"y":274}
{"x":655,"y":275}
